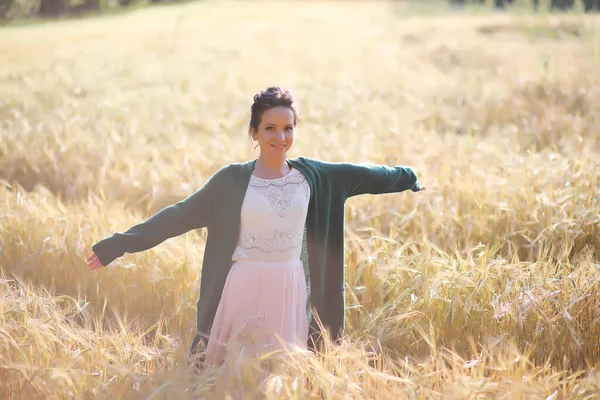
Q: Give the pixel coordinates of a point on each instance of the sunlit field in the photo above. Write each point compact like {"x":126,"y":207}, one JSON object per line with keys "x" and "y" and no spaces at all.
{"x":484,"y":286}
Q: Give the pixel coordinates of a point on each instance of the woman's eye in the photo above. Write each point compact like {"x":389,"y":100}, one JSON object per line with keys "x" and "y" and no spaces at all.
{"x":269,"y":128}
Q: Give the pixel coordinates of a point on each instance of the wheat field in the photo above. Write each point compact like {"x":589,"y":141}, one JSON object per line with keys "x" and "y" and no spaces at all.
{"x":484,"y":286}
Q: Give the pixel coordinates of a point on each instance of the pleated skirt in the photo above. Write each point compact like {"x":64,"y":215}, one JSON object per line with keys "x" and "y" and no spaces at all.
{"x":262,"y":310}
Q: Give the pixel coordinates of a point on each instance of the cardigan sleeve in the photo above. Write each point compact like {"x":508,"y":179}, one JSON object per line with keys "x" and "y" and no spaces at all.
{"x":191,"y":213}
{"x":359,"y":179}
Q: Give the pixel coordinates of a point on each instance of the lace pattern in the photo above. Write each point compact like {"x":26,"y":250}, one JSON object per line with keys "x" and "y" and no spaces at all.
{"x":280,"y":193}
{"x":273,"y":217}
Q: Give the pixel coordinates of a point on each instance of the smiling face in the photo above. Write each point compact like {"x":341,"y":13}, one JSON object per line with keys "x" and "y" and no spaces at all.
{"x":275,"y":133}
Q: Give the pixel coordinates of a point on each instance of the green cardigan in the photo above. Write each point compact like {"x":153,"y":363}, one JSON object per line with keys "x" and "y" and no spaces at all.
{"x":217,"y":207}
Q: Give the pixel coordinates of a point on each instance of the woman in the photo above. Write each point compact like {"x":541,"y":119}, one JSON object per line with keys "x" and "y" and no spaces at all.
{"x":274,"y":253}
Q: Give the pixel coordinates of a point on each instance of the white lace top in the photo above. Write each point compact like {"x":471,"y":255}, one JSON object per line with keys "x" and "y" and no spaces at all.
{"x":273,"y":217}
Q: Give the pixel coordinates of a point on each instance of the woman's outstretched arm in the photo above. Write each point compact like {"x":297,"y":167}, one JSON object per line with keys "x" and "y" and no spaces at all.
{"x":191,"y":213}
{"x":356,"y":179}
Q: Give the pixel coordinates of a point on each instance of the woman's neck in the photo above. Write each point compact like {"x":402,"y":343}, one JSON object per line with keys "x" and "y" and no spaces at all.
{"x":270,"y":168}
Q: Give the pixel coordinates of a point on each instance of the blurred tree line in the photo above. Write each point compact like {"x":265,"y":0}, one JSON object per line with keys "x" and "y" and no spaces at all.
{"x":11,"y":9}
{"x":564,"y":5}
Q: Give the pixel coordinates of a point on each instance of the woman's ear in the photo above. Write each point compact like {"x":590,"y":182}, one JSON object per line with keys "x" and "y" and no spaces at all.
{"x":253,"y":134}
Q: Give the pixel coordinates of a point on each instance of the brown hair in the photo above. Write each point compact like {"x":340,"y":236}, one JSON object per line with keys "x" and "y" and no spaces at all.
{"x":271,"y":97}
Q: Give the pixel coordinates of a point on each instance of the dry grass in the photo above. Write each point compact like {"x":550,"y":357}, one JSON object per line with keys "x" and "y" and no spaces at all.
{"x":485,"y":286}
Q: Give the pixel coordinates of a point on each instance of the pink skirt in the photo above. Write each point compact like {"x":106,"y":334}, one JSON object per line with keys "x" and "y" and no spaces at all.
{"x":262,"y":309}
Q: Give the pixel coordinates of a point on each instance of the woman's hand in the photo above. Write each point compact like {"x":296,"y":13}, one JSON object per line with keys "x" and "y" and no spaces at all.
{"x":93,"y":263}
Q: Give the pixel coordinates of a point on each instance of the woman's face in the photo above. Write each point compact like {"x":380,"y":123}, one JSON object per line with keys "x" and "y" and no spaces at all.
{"x":275,"y":134}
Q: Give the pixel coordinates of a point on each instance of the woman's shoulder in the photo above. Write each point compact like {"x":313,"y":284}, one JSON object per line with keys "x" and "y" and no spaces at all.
{"x":311,"y":162}
{"x":233,"y":168}
{"x":322,"y":165}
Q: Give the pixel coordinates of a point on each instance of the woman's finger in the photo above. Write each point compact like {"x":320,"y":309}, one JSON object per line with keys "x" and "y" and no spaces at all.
{"x":94,"y":264}
{"x":97,"y":264}
{"x":92,"y":257}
